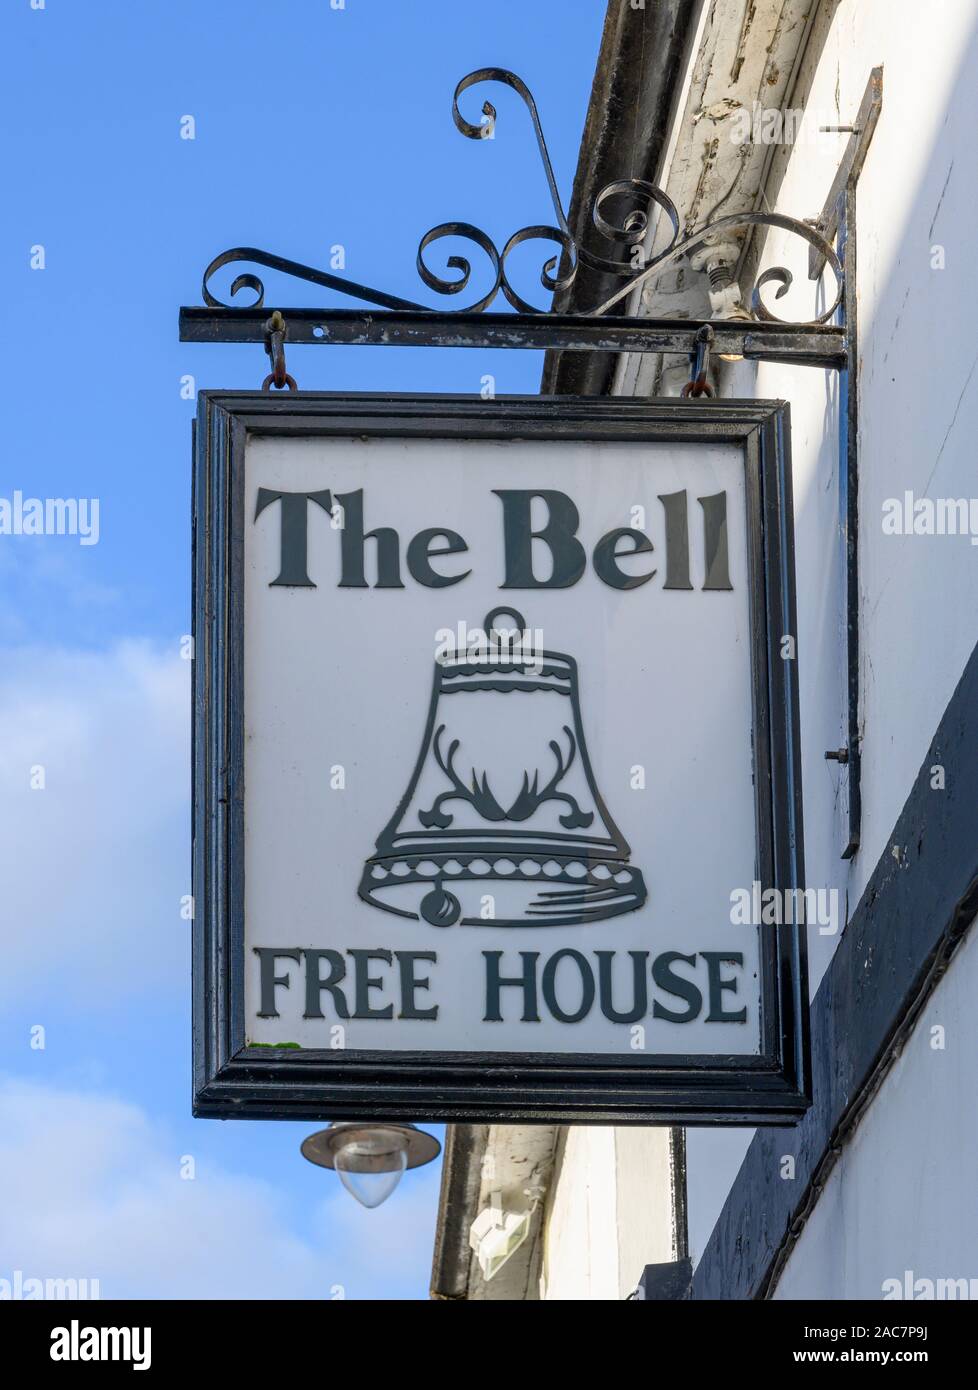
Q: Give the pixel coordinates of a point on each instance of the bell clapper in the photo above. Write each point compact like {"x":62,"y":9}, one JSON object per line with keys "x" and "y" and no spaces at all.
{"x":440,"y":908}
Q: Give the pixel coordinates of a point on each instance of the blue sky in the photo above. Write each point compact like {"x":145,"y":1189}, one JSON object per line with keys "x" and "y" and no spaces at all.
{"x":314,"y":127}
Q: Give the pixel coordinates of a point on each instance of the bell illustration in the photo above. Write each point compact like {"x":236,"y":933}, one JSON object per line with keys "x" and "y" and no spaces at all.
{"x":502,"y":823}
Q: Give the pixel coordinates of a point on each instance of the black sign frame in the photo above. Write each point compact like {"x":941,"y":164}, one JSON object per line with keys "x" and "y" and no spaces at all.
{"x":232,"y":1080}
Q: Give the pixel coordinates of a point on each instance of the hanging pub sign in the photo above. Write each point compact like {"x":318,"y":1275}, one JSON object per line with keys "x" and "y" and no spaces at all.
{"x":496,"y":761}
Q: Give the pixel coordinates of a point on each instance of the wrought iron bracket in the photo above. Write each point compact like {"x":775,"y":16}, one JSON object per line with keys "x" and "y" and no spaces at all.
{"x":810,"y":345}
{"x":626,"y":212}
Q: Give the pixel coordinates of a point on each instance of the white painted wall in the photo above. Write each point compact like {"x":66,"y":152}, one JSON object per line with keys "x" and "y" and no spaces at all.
{"x":902,"y":1196}
{"x":609,"y":1213}
{"x":919,"y":594}
{"x":580,"y":1257}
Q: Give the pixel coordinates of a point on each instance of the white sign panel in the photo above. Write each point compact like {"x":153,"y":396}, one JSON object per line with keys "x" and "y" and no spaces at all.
{"x":501,"y":700}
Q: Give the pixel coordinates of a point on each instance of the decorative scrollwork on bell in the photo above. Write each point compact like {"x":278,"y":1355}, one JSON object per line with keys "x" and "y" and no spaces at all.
{"x":502,"y":823}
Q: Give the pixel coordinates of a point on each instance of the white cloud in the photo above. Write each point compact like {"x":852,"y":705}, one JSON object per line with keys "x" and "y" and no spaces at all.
{"x":92,"y":1189}
{"x":97,"y":861}
{"x":93,"y":870}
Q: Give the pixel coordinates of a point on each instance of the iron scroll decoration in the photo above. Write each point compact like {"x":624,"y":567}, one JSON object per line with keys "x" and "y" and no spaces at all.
{"x":629,"y":230}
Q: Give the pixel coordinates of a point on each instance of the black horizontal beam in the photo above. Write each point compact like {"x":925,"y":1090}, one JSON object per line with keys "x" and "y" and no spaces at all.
{"x":819,"y":345}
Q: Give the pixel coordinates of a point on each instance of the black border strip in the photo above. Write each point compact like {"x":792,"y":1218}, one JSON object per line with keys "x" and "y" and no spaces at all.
{"x":917,"y":907}
{"x":233,"y":1080}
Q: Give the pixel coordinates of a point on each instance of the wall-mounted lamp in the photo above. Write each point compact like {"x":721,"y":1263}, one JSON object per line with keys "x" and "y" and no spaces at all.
{"x":371,"y":1158}
{"x":496,"y":1234}
{"x":501,"y":1228}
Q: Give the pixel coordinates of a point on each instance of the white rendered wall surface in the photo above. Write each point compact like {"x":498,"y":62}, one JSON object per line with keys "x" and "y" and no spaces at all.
{"x":609,"y":1213}
{"x":918,"y":384}
{"x":899,"y":1211}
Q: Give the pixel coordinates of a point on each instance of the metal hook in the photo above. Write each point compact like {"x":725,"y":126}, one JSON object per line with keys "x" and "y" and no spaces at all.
{"x":275,"y":332}
{"x":698,"y":384}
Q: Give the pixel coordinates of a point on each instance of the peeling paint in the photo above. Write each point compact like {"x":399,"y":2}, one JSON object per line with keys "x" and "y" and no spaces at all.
{"x":748,"y":52}
{"x":745,"y":28}
{"x":718,"y":110}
